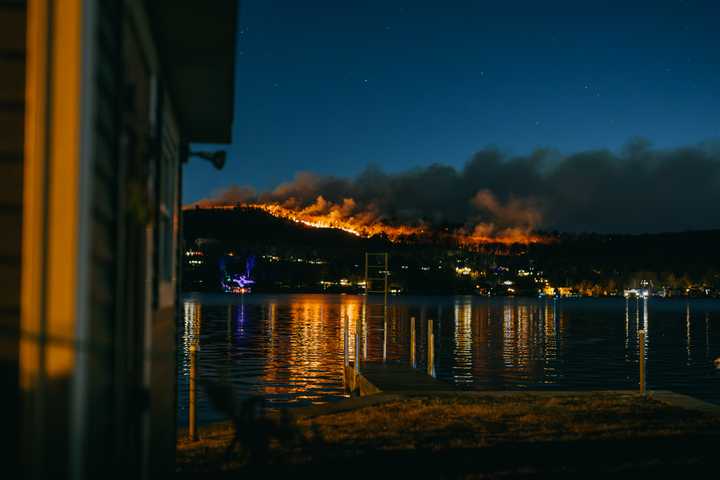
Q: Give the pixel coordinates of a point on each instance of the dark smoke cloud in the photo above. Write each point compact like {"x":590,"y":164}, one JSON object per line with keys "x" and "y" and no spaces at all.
{"x":639,"y":189}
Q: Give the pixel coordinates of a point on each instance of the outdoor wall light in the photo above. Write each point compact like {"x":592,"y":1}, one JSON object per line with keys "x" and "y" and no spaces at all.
{"x":217,"y":158}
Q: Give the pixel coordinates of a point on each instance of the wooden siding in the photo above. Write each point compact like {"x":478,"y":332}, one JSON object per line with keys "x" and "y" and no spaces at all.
{"x":12,"y":118}
{"x":105,"y":208}
{"x":105,"y":424}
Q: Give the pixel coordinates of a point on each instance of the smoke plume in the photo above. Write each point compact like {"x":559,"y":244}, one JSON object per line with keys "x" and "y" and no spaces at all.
{"x":639,"y":189}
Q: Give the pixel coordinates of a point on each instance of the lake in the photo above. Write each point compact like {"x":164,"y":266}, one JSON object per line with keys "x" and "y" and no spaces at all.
{"x":290,"y":348}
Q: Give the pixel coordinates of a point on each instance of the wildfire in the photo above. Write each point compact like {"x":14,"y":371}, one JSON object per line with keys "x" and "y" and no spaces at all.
{"x":347,"y":217}
{"x":485,"y":233}
{"x":362,"y":224}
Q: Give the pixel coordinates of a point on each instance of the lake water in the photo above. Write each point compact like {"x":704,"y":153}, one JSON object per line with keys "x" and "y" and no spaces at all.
{"x":289,"y":348}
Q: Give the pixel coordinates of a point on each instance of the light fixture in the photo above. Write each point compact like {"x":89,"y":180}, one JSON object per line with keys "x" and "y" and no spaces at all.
{"x":217,"y":158}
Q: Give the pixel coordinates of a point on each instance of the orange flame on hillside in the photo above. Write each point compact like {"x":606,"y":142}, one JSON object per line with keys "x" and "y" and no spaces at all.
{"x":322,"y":214}
{"x":487,"y":233}
{"x":347,"y":217}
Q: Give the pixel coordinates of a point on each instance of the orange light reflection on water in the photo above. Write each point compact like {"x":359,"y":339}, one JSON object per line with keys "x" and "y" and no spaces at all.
{"x":297,"y":363}
{"x":290,"y":348}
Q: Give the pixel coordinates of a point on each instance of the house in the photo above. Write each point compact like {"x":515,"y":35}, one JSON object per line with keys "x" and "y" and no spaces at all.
{"x":98,"y":102}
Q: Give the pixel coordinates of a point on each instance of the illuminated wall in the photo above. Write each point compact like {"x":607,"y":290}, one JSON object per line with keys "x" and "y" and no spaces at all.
{"x":89,"y":165}
{"x":12,"y":113}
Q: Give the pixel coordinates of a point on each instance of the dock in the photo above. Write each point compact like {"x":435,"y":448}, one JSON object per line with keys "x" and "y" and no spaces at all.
{"x":391,"y":378}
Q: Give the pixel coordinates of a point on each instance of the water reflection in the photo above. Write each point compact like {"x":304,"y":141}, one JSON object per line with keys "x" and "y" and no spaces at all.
{"x":290,"y":348}
{"x":192,"y":312}
{"x":627,"y":328}
{"x":687,"y":331}
{"x":707,"y":335}
{"x":646,"y":328}
{"x":462,"y":347}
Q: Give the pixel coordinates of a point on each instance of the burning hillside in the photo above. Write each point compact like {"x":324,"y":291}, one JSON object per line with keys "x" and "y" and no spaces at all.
{"x":348,"y":218}
{"x":320,"y":215}
{"x":431,"y":204}
{"x":507,"y":199}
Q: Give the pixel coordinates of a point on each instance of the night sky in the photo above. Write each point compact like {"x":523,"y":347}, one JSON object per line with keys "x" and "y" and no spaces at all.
{"x":332,"y":86}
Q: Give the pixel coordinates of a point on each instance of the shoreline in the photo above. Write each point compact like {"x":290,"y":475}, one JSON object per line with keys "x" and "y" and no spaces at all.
{"x":396,"y":426}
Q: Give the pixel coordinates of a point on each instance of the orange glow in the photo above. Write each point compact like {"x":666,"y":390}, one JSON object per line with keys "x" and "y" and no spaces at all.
{"x":52,"y":209}
{"x":346,"y":216}
{"x":487,"y":233}
{"x":325,"y":214}
{"x":310,"y":349}
{"x":363,"y":224}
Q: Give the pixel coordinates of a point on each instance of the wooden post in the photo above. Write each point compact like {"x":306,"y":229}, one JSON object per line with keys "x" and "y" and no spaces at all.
{"x":358,"y":333}
{"x":431,"y":349}
{"x":412,"y":341}
{"x":192,"y":403}
{"x":385,"y":338}
{"x":346,"y":342}
{"x":385,"y":294}
{"x":367,"y":280}
{"x":364,"y":315}
{"x":641,"y":340}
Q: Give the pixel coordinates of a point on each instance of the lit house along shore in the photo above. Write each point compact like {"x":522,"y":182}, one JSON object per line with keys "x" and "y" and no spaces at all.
{"x":98,"y":100}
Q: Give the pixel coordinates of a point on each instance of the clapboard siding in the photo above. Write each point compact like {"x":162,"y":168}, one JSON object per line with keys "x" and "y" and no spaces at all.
{"x":12,"y":19}
{"x":105,"y":217}
{"x":102,"y":294}
{"x":102,"y":245}
{"x":104,"y":210}
{"x":11,"y":224}
{"x":12,"y":118}
{"x":105,"y":156}
{"x":10,"y":291}
{"x":104,"y":168}
{"x":12,"y":80}
{"x":11,"y":175}
{"x":12,"y":59}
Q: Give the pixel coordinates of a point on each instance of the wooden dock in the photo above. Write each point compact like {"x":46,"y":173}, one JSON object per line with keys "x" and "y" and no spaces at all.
{"x":391,"y":378}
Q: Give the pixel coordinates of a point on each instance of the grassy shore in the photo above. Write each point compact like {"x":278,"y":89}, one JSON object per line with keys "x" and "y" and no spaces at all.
{"x":494,"y":436}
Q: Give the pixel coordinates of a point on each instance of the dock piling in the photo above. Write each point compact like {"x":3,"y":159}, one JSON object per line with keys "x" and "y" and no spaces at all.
{"x":346,"y":346}
{"x":192,"y":417}
{"x":358,"y":333}
{"x":431,"y":349}
{"x":641,"y":340}
{"x":412,"y":342}
{"x":385,"y":337}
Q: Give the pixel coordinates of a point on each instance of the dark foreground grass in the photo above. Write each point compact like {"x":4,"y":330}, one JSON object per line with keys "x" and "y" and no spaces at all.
{"x":522,"y":435}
